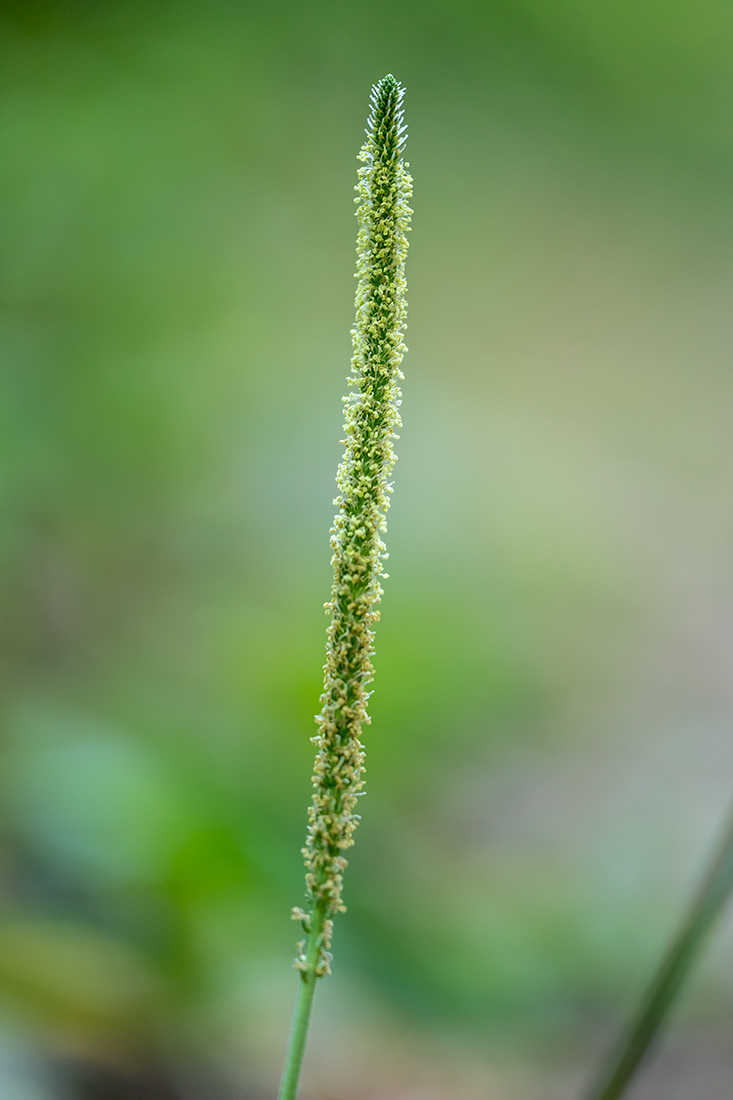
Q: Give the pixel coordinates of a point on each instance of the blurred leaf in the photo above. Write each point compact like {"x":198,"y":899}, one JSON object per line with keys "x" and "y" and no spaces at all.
{"x":71,"y":977}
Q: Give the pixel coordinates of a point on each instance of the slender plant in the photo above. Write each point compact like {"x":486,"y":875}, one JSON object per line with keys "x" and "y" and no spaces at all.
{"x":661,"y":993}
{"x":372,"y":417}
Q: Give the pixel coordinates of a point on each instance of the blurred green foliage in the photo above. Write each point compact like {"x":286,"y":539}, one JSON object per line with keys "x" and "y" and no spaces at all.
{"x":176,"y":299}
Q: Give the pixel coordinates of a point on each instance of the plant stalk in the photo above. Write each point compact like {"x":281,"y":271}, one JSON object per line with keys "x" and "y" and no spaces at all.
{"x":303,"y":1005}
{"x":662,"y":991}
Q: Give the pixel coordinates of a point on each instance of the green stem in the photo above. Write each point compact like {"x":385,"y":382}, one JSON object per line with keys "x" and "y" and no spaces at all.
{"x":667,"y":981}
{"x":302,"y":1014}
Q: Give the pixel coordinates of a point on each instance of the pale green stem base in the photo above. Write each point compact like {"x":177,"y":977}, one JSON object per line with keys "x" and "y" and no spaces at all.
{"x":302,"y":1014}
{"x":663,"y":989}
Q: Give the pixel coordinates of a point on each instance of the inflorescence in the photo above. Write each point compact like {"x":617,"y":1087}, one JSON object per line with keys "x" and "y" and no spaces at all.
{"x":371,"y":421}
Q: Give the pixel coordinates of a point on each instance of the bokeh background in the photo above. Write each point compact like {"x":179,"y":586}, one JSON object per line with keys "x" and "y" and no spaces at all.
{"x":550,"y":756}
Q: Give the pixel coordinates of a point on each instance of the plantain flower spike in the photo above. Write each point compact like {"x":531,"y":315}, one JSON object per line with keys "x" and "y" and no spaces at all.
{"x":371,"y":421}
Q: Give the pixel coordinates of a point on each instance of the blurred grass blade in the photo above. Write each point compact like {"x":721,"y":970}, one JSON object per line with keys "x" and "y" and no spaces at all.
{"x":662,"y":991}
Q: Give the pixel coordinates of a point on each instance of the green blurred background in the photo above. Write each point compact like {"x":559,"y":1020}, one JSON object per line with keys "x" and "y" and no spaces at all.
{"x":550,"y":755}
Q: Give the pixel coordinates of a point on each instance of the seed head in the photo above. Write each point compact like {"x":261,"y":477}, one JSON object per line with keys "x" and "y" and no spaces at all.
{"x":371,"y":421}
